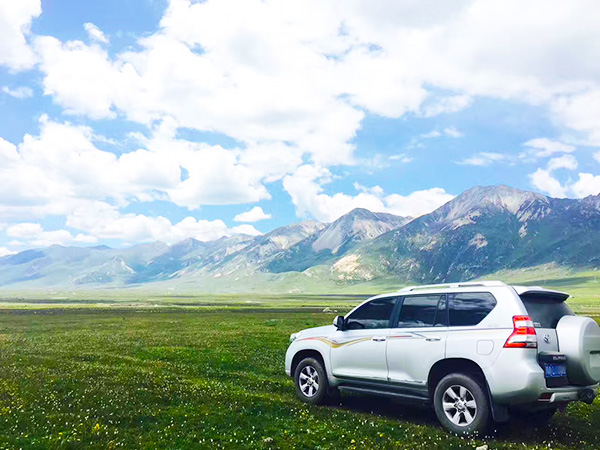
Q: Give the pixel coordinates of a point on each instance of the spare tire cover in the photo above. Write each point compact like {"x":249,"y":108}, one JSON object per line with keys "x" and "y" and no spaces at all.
{"x":579,"y":340}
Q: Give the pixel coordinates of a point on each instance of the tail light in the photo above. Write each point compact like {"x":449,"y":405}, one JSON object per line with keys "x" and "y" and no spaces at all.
{"x":523,"y":335}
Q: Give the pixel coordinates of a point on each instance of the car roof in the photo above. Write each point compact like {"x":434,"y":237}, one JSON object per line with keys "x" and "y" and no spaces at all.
{"x":473,"y":286}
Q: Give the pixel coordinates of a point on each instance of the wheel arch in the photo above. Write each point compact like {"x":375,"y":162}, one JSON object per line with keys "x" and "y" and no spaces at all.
{"x":469,"y":367}
{"x":453,"y":365}
{"x":306,"y":353}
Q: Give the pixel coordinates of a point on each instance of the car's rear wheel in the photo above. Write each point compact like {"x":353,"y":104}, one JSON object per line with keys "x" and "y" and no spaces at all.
{"x":461,"y":404}
{"x":311,"y":381}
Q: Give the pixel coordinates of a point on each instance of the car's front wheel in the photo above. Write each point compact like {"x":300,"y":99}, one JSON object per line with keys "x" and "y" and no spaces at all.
{"x":461,"y":404}
{"x":311,"y":381}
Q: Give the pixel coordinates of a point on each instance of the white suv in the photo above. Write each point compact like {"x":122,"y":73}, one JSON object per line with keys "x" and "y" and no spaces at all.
{"x":476,"y":351}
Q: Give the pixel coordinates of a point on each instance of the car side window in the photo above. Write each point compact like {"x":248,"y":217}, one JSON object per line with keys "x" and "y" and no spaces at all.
{"x":422,"y":311}
{"x":374,"y":314}
{"x":469,"y":308}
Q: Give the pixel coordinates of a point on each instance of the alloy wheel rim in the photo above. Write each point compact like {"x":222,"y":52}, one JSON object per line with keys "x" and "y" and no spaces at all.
{"x":459,"y":405}
{"x":309,"y":381}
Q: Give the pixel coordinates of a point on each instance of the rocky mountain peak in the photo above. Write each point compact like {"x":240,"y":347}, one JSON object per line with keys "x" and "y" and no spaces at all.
{"x":357,"y":225}
{"x":284,"y":237}
{"x":592,"y":201}
{"x":307,"y":227}
{"x":485,"y":197}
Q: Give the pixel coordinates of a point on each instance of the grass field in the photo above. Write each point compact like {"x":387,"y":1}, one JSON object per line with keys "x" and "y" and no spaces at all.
{"x":204,"y":378}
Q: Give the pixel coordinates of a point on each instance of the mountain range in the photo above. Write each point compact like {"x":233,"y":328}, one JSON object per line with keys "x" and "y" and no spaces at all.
{"x":481,"y":231}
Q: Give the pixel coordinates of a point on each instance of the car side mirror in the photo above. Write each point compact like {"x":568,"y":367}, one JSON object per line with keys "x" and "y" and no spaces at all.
{"x":339,"y":323}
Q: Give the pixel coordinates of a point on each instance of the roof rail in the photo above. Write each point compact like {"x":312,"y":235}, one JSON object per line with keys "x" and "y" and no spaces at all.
{"x":455,"y":285}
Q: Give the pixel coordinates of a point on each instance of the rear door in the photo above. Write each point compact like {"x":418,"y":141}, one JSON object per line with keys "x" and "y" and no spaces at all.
{"x":417,"y":339}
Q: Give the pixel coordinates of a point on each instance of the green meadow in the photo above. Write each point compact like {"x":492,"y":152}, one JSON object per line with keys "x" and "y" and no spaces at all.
{"x":120,"y":370}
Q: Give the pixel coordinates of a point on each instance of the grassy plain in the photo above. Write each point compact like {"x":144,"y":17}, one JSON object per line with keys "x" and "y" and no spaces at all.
{"x":133,"y":369}
{"x":202,"y":377}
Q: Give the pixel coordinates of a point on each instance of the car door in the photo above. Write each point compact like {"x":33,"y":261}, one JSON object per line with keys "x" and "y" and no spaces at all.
{"x":359,"y":350}
{"x":417,"y":339}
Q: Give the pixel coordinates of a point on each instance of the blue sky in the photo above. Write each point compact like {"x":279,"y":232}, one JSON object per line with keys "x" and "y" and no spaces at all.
{"x":129,"y":122}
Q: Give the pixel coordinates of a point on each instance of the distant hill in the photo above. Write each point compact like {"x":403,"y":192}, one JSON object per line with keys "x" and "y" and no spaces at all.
{"x":335,"y":240}
{"x":483,"y":230}
{"x":487,"y":229}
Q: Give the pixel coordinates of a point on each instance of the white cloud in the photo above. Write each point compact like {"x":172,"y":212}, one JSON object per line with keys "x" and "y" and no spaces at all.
{"x":257,"y":85}
{"x":8,"y":151}
{"x":245,"y":229}
{"x":374,"y":190}
{"x":562,"y":162}
{"x":254,"y":215}
{"x":580,"y":112}
{"x":82,"y":79}
{"x":15,"y":22}
{"x":271,"y":160}
{"x":483,"y":159}
{"x":545,"y":182}
{"x":376,"y":162}
{"x":305,"y":189}
{"x":306,"y":192}
{"x":18,"y":92}
{"x":275,"y":74}
{"x":6,"y":252}
{"x":95,"y":34}
{"x":587,"y":184}
{"x":24,"y":230}
{"x":447,"y":105}
{"x":449,"y":132}
{"x":430,"y":135}
{"x":215,"y":178}
{"x":54,"y":172}
{"x":34,"y":234}
{"x":417,"y":203}
{"x":453,"y":132}
{"x":106,"y":222}
{"x":402,"y":157}
{"x":543,"y":147}
{"x":597,"y":156}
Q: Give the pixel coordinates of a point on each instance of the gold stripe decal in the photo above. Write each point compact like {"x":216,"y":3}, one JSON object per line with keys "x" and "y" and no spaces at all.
{"x":334,"y":344}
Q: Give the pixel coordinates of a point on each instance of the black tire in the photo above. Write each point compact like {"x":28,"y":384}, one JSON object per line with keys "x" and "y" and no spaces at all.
{"x":311,"y":382}
{"x":470,"y":411}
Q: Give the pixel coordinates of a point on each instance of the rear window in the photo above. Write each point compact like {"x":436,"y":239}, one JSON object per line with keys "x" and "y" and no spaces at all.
{"x":545,"y":311}
{"x":469,"y":308}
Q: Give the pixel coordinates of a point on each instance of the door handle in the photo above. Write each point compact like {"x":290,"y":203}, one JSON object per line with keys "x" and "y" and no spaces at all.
{"x":379,"y":339}
{"x":433,"y":339}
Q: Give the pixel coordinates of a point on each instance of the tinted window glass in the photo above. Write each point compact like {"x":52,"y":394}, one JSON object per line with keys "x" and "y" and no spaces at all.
{"x":375,"y":314}
{"x":441,"y":318}
{"x":419,"y":311}
{"x":545,"y":312}
{"x":468,"y":309}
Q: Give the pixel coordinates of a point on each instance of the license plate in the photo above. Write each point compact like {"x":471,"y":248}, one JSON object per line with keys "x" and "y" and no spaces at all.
{"x":556,"y":370}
